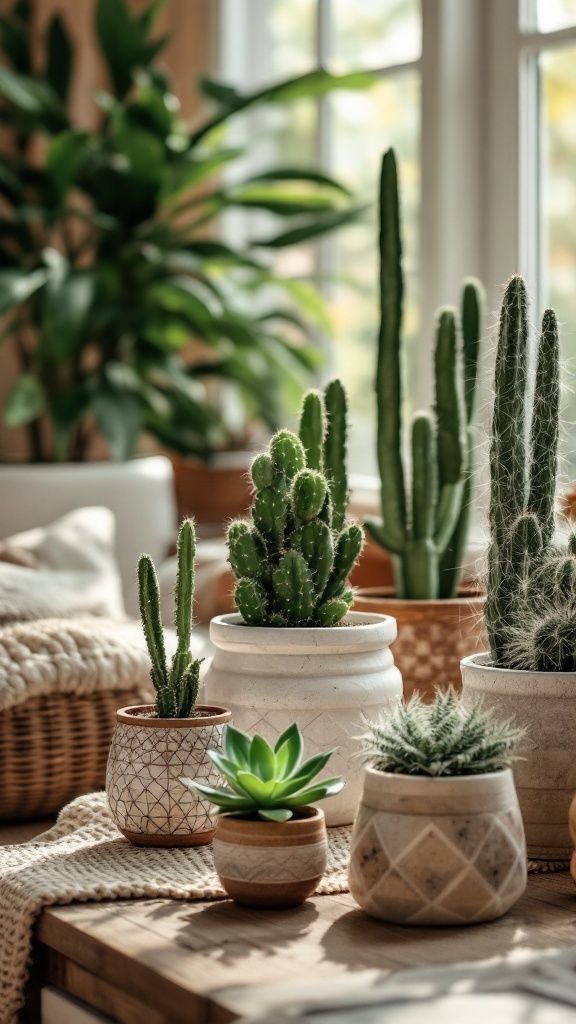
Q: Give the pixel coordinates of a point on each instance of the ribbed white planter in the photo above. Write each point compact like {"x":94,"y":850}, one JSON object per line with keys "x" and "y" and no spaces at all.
{"x":324,"y":679}
{"x":437,"y":851}
{"x":545,"y":702}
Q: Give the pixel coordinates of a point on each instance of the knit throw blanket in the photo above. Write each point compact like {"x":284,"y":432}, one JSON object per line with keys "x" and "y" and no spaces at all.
{"x":84,"y":857}
{"x":70,"y":656}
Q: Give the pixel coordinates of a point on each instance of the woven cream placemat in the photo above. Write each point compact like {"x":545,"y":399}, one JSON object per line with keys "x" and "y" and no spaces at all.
{"x":84,"y":857}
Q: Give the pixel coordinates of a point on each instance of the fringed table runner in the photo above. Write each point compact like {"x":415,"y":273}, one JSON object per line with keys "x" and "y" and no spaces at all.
{"x":84,"y":857}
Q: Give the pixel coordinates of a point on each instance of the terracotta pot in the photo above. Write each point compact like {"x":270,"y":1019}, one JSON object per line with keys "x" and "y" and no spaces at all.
{"x":437,"y":851}
{"x":322,"y":678}
{"x":433,"y":636}
{"x":148,"y":756}
{"x":545,"y":702}
{"x":373,"y":569}
{"x":212,"y":494}
{"x":271,"y":864}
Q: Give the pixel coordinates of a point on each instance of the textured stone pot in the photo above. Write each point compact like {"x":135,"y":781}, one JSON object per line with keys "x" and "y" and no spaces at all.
{"x":433,"y":636}
{"x":149,"y":804}
{"x":443,"y":851}
{"x":545,"y":702}
{"x":271,"y":864}
{"x":323,"y":679}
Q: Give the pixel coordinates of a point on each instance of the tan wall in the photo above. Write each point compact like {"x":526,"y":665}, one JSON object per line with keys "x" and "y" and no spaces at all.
{"x":191,"y":52}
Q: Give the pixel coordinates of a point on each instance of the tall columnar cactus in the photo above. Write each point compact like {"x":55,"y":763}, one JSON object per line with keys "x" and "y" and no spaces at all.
{"x":531,"y":604}
{"x":293,"y":559}
{"x":423,"y":527}
{"x":176,"y":685}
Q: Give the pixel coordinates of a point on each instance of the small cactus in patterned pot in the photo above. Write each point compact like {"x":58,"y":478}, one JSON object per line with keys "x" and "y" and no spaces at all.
{"x":438,"y":837}
{"x":155,"y":744}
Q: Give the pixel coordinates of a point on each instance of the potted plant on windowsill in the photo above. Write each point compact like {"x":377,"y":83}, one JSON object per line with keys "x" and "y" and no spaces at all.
{"x":439,"y":617}
{"x":270,"y":846}
{"x":438,"y":838}
{"x":530,"y":613}
{"x":294,"y":651}
{"x":125,"y":314}
{"x":153,"y":745}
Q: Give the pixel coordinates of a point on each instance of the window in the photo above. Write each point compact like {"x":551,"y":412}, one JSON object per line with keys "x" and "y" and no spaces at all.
{"x":479,"y":99}
{"x":347,"y":133}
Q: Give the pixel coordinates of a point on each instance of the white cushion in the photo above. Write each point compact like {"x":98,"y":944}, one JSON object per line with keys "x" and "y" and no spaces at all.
{"x":71,"y":569}
{"x":139,"y":492}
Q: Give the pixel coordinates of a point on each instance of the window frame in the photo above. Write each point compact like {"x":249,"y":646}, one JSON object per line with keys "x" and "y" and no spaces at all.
{"x":479,"y":145}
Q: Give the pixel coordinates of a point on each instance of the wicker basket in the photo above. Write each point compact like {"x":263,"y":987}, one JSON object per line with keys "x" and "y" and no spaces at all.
{"x":55,"y":748}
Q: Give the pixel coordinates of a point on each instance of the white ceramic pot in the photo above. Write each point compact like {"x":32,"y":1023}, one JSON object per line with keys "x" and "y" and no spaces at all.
{"x":271,"y":864}
{"x":545,"y":702}
{"x":324,"y":679}
{"x":147,"y":759}
{"x":445,"y":851}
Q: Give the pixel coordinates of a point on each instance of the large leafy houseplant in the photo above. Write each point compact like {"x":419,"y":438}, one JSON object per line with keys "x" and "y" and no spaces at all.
{"x":109,"y":264}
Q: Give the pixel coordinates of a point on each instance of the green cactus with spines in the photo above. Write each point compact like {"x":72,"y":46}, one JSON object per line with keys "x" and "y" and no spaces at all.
{"x":293,"y":559}
{"x":177,"y":685}
{"x":423,"y":527}
{"x":530,"y":609}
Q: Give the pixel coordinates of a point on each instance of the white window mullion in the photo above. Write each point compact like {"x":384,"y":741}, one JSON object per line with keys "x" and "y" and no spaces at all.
{"x":452,"y":146}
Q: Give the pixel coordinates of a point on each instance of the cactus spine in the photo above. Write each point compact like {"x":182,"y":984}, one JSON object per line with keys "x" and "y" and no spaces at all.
{"x":424,"y":529}
{"x":531,"y":604}
{"x":176,"y":687}
{"x":293,"y":559}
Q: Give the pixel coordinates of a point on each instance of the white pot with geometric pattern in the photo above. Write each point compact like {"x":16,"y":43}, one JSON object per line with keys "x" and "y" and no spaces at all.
{"x":438,"y":851}
{"x":149,"y":804}
{"x":323,"y":678}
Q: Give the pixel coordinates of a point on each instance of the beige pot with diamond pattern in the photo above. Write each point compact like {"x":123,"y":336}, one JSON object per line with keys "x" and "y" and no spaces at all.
{"x":444,"y":851}
{"x":271,"y":864}
{"x":433,"y":636}
{"x":322,"y":678}
{"x":149,"y":804}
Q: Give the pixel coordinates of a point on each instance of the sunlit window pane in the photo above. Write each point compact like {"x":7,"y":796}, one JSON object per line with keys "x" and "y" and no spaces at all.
{"x":556,"y":14}
{"x":364,"y":126}
{"x":374,"y":33}
{"x":558,"y":214}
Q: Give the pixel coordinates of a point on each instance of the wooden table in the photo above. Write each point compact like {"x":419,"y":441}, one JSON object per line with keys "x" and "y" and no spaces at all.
{"x":167,"y":962}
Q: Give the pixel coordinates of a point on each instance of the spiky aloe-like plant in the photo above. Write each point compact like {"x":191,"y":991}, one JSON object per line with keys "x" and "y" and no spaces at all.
{"x":293,"y":559}
{"x":424,"y":524}
{"x":272,"y":784}
{"x":176,"y":685}
{"x":447,"y":737}
{"x":531,"y":603}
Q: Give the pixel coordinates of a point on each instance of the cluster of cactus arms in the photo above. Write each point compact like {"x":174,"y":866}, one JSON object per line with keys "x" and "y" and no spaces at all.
{"x":176,"y":685}
{"x":293,"y":559}
{"x":424,"y":526}
{"x":531,"y":604}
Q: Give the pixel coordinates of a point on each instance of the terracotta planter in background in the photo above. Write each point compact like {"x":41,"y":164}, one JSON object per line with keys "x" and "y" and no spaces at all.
{"x":437,"y":851}
{"x":433,"y":636}
{"x":148,"y":756}
{"x":323,"y":678}
{"x":544,"y":702}
{"x":271,"y":864}
{"x":213,"y":494}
